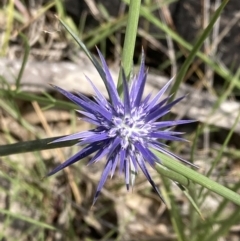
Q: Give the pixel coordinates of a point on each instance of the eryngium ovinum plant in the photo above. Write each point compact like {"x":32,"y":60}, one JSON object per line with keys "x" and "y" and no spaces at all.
{"x":125,"y":129}
{"x":130,"y":132}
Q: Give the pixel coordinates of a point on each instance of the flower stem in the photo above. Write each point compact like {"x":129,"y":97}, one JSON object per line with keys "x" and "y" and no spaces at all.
{"x":196,"y":177}
{"x":130,"y":40}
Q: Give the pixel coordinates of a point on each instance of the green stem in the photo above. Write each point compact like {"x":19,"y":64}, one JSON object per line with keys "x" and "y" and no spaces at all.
{"x":163,"y":170}
{"x":198,"y":178}
{"x":130,"y":40}
{"x":174,"y":211}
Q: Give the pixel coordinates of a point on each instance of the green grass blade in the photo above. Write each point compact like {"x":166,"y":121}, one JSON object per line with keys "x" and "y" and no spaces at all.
{"x":220,"y":153}
{"x":130,"y":38}
{"x":89,"y":55}
{"x":40,"y":99}
{"x":24,"y":62}
{"x":27,"y":219}
{"x":183,"y":183}
{"x":84,"y":48}
{"x":223,"y":204}
{"x":11,"y":108}
{"x":224,"y":228}
{"x":190,"y":199}
{"x":36,"y":145}
{"x":198,"y":178}
{"x":174,"y":211}
{"x":106,"y":31}
{"x":173,"y":175}
{"x":221,"y":70}
{"x":195,"y":50}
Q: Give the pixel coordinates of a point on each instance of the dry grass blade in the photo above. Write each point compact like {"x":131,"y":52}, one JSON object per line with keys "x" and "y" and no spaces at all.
{"x":59,"y":153}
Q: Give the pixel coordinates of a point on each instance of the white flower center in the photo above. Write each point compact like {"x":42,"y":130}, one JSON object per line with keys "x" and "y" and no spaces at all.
{"x":130,"y":129}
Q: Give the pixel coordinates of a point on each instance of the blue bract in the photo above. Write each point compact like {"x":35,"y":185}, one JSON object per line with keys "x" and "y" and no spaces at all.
{"x":126,"y":130}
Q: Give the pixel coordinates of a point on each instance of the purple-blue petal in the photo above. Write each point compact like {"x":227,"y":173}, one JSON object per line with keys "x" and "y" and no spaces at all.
{"x":74,"y":136}
{"x":113,"y":146}
{"x":159,"y":112}
{"x":86,"y":151}
{"x":103,"y":179}
{"x":146,"y":173}
{"x":122,"y":156}
{"x":163,"y":124}
{"x":114,"y":165}
{"x":146,"y":100}
{"x":134,"y":162}
{"x":98,"y":93}
{"x":98,"y":136}
{"x":139,"y":89}
{"x":167,"y":152}
{"x":148,"y":155}
{"x":157,"y":106}
{"x":91,"y":121}
{"x":109,"y":83}
{"x":159,"y":94}
{"x":97,"y":108}
{"x":86,"y":103}
{"x":165,"y":136}
{"x":100,"y":154}
{"x":127,"y":179}
{"x":136,"y":80}
{"x":87,"y":114}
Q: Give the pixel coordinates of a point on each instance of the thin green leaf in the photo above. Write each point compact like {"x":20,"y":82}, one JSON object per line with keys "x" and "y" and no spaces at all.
{"x":174,"y":211}
{"x":183,"y":183}
{"x":218,"y":158}
{"x":223,"y":229}
{"x":191,"y":200}
{"x":86,"y":51}
{"x":27,"y":219}
{"x":36,"y":145}
{"x":105,"y":31}
{"x":194,"y":51}
{"x":40,"y":99}
{"x":24,"y":61}
{"x":221,"y":70}
{"x":163,"y":170}
{"x":196,"y":177}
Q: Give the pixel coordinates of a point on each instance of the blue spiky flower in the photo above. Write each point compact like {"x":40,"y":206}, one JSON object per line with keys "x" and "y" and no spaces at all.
{"x":126,"y":130}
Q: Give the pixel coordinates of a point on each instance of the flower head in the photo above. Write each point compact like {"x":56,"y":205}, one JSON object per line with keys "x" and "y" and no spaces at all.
{"x":126,"y":130}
